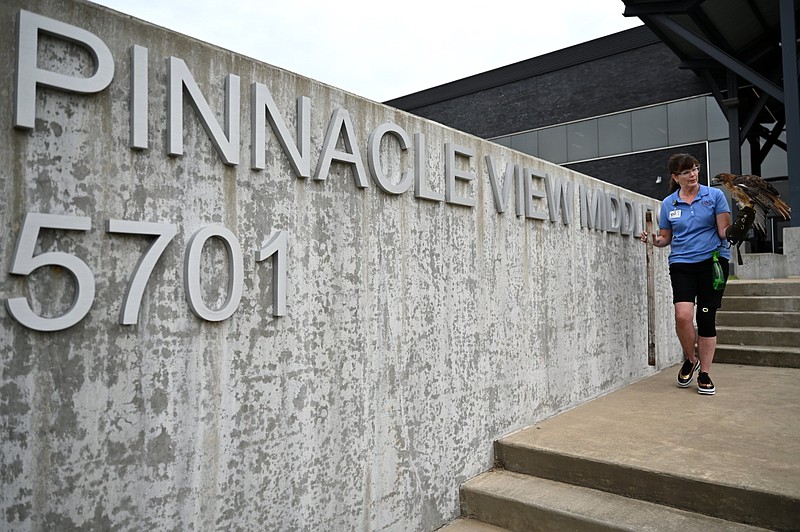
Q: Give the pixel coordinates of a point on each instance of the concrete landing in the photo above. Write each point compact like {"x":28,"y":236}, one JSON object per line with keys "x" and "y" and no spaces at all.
{"x":734,"y":455}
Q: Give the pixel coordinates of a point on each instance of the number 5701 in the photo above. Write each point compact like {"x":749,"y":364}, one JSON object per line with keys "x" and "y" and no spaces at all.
{"x":24,"y":262}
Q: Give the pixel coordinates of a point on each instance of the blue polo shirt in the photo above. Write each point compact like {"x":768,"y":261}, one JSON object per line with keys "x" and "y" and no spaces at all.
{"x":694,"y":226}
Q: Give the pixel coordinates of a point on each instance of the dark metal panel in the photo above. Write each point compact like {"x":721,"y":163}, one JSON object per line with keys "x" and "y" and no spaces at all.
{"x":734,"y":134}
{"x":731,"y":63}
{"x":792,"y":91}
{"x":642,"y":8}
{"x":574,"y":55}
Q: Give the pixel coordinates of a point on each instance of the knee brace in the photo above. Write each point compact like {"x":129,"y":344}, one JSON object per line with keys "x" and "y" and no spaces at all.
{"x":706,"y":318}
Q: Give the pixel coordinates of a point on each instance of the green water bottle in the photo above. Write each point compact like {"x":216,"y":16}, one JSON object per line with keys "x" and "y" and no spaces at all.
{"x":719,"y":277}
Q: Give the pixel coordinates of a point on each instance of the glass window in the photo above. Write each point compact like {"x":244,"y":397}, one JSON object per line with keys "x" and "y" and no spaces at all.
{"x":614,"y":134}
{"x":649,"y":127}
{"x":553,"y":144}
{"x":746,"y":167}
{"x":582,"y":140}
{"x":717,"y":121}
{"x":526,"y":142}
{"x":718,"y":158}
{"x":775,"y":164}
{"x":503,"y":141}
{"x":782,"y":186}
{"x":687,"y":121}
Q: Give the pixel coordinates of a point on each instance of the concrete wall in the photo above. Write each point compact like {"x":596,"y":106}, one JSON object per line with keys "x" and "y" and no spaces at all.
{"x":415,"y":331}
{"x":791,"y":250}
{"x":771,"y":265}
{"x":759,"y":265}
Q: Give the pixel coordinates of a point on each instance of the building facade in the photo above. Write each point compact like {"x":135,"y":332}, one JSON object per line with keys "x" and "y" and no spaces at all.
{"x":614,"y":108}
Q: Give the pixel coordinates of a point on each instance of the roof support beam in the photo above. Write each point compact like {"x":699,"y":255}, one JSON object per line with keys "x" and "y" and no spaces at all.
{"x":755,"y":110}
{"x":723,"y":58}
{"x":791,"y":88}
{"x":735,"y":138}
{"x":772,"y":138}
{"x":667,"y":6}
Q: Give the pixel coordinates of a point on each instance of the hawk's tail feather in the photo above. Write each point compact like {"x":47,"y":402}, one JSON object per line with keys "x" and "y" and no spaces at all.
{"x":782,"y":208}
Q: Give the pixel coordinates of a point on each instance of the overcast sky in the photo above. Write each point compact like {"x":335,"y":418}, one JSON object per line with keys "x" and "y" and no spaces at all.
{"x":382,"y":50}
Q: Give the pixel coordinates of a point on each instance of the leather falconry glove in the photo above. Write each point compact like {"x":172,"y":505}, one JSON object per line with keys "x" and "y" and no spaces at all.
{"x":737,"y":232}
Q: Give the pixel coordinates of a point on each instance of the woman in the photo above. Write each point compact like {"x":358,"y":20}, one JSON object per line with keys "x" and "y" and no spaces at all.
{"x":693,"y":221}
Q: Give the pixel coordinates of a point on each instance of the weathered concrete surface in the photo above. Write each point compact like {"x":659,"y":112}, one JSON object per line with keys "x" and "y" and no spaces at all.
{"x":772,"y":265}
{"x":417,"y":332}
{"x":761,"y":266}
{"x":791,"y":249}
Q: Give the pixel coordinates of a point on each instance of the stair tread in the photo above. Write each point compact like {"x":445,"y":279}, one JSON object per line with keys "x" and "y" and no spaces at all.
{"x":766,"y":286}
{"x":768,"y":312}
{"x":770,"y":296}
{"x":592,"y":505}
{"x":768,"y":348}
{"x":784,"y":314}
{"x":728,"y":297}
{"x":758,"y":328}
{"x":463,"y":524}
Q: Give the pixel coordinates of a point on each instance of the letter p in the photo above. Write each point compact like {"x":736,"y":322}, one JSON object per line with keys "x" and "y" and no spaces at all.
{"x":29,"y":75}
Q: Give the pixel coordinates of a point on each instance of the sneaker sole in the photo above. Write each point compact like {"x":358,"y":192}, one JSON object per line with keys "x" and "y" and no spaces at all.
{"x":703,"y":391}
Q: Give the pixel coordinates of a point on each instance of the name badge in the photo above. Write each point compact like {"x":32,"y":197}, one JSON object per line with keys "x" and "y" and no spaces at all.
{"x":674,"y":214}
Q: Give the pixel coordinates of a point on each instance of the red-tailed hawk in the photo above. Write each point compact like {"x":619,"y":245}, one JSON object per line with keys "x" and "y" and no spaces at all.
{"x":753,"y":191}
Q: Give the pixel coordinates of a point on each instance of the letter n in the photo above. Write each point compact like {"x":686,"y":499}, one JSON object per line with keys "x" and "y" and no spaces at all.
{"x":227,"y":142}
{"x":299,"y":153}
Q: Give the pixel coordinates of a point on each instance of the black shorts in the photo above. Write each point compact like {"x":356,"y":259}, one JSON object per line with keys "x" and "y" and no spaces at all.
{"x":694,"y":282}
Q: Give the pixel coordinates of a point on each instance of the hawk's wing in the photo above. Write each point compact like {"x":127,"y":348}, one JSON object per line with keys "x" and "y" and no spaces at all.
{"x":753,"y":190}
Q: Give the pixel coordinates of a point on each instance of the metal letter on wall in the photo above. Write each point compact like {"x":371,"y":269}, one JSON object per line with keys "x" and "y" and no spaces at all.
{"x":227,"y":142}
{"x":613,"y":213}
{"x":278,"y":247}
{"x":532,"y":193}
{"x":138,"y":99}
{"x":29,"y":75}
{"x":191,"y":273}
{"x":24,"y":262}
{"x":374,"y":154}
{"x":299,"y":153}
{"x":559,"y":198}
{"x":341,"y":125}
{"x":453,"y":174}
{"x":592,"y":205}
{"x":129,"y":311}
{"x":421,"y":190}
{"x":501,"y":197}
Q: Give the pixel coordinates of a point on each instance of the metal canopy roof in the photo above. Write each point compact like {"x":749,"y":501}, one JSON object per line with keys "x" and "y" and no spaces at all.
{"x":746,"y":28}
{"x":736,"y":47}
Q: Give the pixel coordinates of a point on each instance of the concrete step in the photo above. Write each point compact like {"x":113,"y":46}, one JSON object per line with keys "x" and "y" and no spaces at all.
{"x":766,"y":336}
{"x":463,"y":524}
{"x":761,"y":303}
{"x":755,"y":355}
{"x":522,"y":502}
{"x":766,"y":287}
{"x":758,"y":319}
{"x":733,"y":455}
